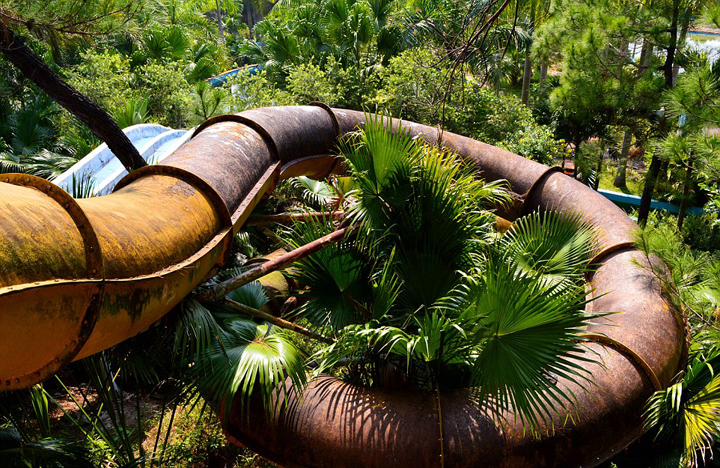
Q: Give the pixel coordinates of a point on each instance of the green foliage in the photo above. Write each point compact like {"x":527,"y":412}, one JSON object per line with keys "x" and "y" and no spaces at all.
{"x":599,"y":84}
{"x":529,"y":331}
{"x":106,"y":78}
{"x":308,"y":83}
{"x":45,"y":452}
{"x":169,"y":93}
{"x":702,"y":232}
{"x":424,"y":286}
{"x":687,"y":412}
{"x":414,"y":88}
{"x":556,"y":248}
{"x":250,"y":91}
{"x":250,"y":359}
{"x":315,"y":193}
{"x":208,"y":101}
{"x":337,"y":277}
{"x":132,"y":113}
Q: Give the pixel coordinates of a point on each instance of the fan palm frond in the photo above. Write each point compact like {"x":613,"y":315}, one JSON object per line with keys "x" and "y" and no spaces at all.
{"x":530,"y":334}
{"x":316,"y":193}
{"x":557,"y":246}
{"x":336,"y":278}
{"x":46,"y":452}
{"x":689,"y":409}
{"x":250,"y":359}
{"x":251,"y":294}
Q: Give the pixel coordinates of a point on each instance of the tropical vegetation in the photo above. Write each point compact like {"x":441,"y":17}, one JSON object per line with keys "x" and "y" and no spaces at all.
{"x":624,"y":95}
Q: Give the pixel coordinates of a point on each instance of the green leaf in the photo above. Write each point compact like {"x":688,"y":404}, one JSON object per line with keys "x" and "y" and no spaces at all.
{"x":251,"y":360}
{"x":530,"y":339}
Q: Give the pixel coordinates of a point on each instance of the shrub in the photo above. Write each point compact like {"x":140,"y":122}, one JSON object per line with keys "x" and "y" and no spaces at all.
{"x":168,"y":92}
{"x":308,"y":83}
{"x":104,"y":77}
{"x":414,"y":88}
{"x":250,"y":91}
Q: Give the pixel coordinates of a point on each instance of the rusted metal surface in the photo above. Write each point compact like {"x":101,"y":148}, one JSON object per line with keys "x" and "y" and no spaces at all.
{"x":339,"y":425}
{"x":81,"y":300}
{"x":162,"y":234}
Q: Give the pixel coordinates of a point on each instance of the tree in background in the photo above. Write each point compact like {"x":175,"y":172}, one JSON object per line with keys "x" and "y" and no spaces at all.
{"x":54,"y":22}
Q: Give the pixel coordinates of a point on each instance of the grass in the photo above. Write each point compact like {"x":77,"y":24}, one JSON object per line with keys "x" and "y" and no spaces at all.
{"x":634,"y":179}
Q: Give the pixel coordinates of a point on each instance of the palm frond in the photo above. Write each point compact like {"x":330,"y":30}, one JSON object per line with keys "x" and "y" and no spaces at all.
{"x":250,"y":360}
{"x":251,"y":294}
{"x":557,"y":246}
{"x":196,"y":331}
{"x":530,"y":334}
{"x":336,"y":278}
{"x":46,"y":452}
{"x":689,"y":409}
{"x":316,"y":193}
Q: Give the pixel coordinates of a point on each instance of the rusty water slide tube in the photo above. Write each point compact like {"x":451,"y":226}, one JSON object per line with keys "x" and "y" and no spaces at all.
{"x":78,"y":276}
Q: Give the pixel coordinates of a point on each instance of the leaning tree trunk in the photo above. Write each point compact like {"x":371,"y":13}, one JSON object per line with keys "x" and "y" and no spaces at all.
{"x":92,"y":115}
{"x":652,"y":173}
{"x":620,"y":180}
{"x":681,"y":40}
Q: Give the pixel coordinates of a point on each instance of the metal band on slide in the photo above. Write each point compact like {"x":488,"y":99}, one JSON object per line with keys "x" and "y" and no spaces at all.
{"x":93,"y":270}
{"x":272,"y":147}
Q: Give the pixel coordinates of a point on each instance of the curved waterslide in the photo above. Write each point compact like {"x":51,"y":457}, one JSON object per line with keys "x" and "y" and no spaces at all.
{"x":223,"y":77}
{"x":77,"y":277}
{"x":104,"y":170}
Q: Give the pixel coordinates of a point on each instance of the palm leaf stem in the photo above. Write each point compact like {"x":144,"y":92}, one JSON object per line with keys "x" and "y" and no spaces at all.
{"x":288,"y":218}
{"x":278,"y":322}
{"x":218,"y":292}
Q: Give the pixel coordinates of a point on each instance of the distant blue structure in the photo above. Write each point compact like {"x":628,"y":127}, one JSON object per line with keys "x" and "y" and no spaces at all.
{"x":222,"y":78}
{"x":633,"y":201}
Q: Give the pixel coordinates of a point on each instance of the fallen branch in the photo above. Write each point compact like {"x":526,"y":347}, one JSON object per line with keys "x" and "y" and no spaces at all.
{"x":219,"y":291}
{"x":289,"y":218}
{"x":259,"y":314}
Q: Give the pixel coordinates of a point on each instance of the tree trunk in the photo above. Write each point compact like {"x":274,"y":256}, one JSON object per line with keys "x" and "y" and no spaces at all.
{"x":686,"y":192}
{"x":650,"y":179}
{"x":681,"y":40}
{"x":670,"y":58}
{"x":598,"y":169}
{"x":662,"y":173}
{"x":620,"y":180}
{"x":219,"y":20}
{"x":527,"y":77}
{"x":575,"y":157}
{"x":92,"y":115}
{"x":651,"y":176}
{"x":646,"y":54}
{"x":543,"y":72}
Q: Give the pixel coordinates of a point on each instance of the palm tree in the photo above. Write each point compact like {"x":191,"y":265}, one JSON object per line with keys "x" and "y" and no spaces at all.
{"x":425,"y":286}
{"x":684,"y":417}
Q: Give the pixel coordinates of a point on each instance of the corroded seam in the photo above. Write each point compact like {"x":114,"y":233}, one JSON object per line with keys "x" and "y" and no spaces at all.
{"x":524,"y":210}
{"x":331,"y":113}
{"x":95,"y":271}
{"x":198,"y":184}
{"x":628,"y":353}
{"x":267,"y":138}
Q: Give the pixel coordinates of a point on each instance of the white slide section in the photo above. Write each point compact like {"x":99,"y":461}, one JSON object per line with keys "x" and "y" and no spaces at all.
{"x":154,"y":143}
